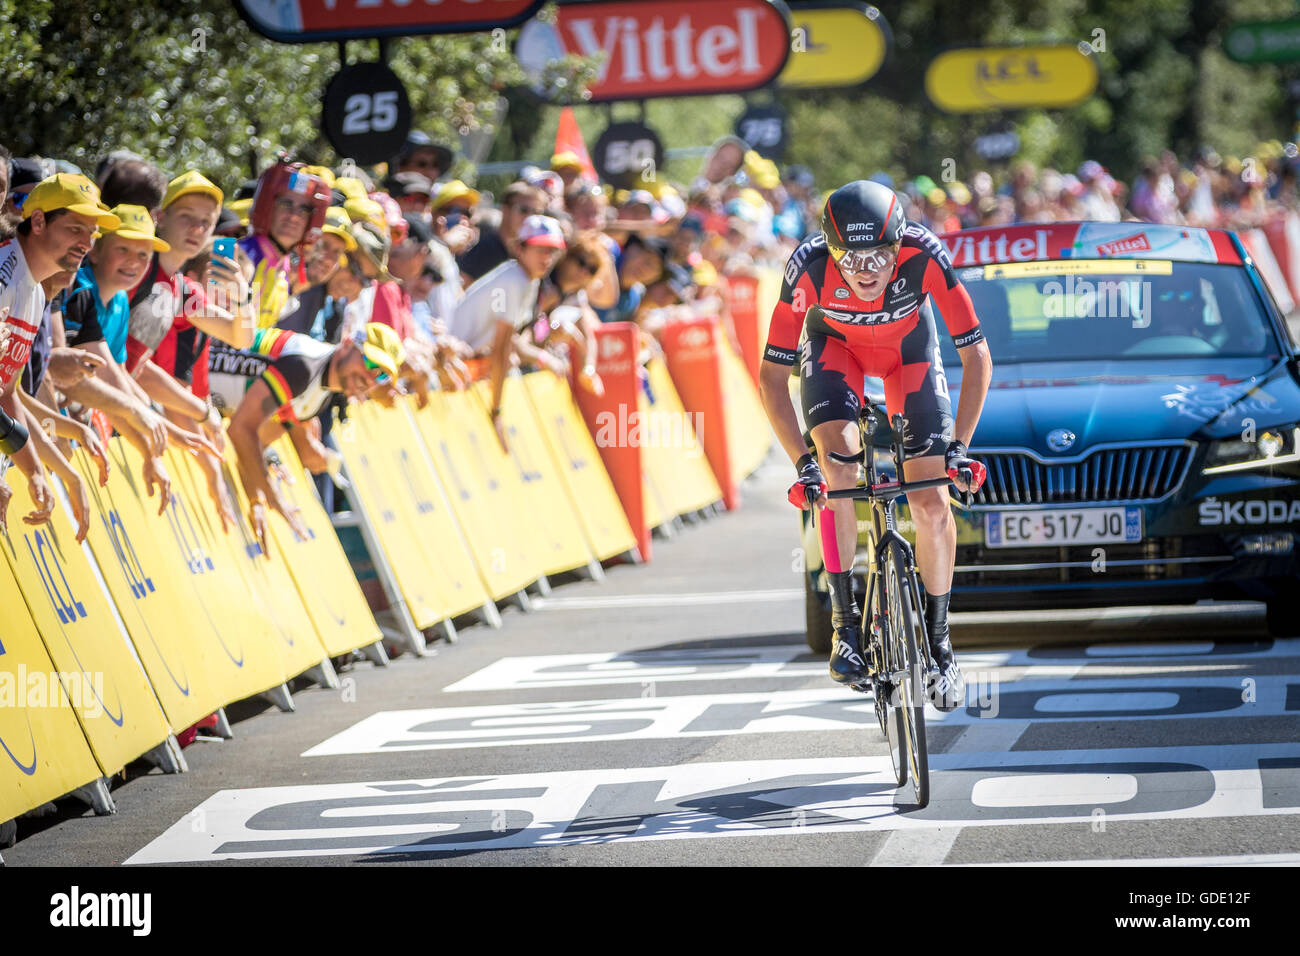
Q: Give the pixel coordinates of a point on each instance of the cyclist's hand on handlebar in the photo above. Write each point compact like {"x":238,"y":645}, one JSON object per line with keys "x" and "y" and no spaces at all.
{"x":958,"y":462}
{"x":810,"y":480}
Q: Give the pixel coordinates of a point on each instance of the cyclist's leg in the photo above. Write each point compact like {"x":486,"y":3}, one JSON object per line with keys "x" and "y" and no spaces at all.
{"x":919,"y":389}
{"x":831,"y":393}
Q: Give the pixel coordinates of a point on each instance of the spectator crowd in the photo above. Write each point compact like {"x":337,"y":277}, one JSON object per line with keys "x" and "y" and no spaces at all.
{"x":159,"y":304}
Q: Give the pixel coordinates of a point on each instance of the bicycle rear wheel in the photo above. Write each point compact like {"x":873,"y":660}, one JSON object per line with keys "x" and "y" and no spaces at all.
{"x":904,"y":636}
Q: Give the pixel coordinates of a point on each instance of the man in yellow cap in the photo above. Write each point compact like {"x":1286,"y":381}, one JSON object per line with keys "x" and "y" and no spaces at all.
{"x":61,"y":216}
{"x":287,"y":378}
{"x":311,"y":309}
{"x":569,"y":165}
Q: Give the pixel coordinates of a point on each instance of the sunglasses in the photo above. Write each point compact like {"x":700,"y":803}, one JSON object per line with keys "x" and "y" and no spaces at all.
{"x":285,"y":204}
{"x":866,"y":260}
{"x":384,"y":376}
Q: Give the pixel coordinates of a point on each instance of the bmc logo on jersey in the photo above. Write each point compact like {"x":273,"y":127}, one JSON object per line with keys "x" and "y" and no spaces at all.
{"x":800,"y":255}
{"x":871,"y":318}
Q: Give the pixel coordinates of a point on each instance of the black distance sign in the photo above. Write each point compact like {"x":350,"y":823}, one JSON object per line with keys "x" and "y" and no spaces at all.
{"x":366,"y":113}
{"x":764,"y":129}
{"x":628,"y":155}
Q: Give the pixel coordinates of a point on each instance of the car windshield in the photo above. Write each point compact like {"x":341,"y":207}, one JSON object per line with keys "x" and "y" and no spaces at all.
{"x":1109,"y":309}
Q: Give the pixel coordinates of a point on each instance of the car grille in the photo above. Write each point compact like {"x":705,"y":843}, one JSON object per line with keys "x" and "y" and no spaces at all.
{"x":1145,"y":473}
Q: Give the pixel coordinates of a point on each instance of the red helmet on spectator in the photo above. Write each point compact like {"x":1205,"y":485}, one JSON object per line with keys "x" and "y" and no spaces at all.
{"x":285,"y":177}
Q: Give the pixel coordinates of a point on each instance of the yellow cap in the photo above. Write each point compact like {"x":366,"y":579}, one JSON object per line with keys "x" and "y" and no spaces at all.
{"x":71,"y":192}
{"x":136,"y":223}
{"x":337,"y":223}
{"x":351,"y":187}
{"x":704,"y":273}
{"x":366,"y":209}
{"x":566,"y":160}
{"x":454,"y":190}
{"x":241,"y":208}
{"x":324,"y":172}
{"x":382,"y":346}
{"x":191,"y":181}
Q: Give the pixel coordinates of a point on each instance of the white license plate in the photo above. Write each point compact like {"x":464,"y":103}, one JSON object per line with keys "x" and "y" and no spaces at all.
{"x":1020,"y":529}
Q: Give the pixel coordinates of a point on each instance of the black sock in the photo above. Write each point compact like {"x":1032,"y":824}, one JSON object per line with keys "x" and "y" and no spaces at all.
{"x":844,"y":606}
{"x":936,"y":618}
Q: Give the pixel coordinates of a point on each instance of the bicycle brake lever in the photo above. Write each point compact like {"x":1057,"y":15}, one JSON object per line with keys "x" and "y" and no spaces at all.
{"x":968,"y":496}
{"x":810,"y":493}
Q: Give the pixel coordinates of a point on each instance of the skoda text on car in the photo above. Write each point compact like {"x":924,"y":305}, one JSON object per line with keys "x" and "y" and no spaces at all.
{"x":1141,"y":429}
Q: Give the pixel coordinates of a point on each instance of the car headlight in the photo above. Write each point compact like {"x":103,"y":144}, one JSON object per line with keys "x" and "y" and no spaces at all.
{"x":1271,"y":447}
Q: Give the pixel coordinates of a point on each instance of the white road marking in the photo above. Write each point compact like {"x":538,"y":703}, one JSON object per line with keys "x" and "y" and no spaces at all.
{"x":995,"y":715}
{"x":695,"y":599}
{"x":916,"y":847}
{"x":707,"y":800}
{"x":793,"y":660}
{"x":1054,"y":790}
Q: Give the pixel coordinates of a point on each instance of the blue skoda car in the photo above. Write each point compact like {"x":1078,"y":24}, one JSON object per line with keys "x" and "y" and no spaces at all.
{"x":1141,"y":428}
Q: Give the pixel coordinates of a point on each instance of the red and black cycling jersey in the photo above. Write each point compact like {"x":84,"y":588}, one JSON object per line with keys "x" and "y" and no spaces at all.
{"x":813,"y":283}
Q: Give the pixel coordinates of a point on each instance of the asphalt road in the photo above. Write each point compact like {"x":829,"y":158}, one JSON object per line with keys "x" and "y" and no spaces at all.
{"x":671,"y":715}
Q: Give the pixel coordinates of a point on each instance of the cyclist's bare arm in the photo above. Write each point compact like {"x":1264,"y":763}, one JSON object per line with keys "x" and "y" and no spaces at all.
{"x":976,"y":374}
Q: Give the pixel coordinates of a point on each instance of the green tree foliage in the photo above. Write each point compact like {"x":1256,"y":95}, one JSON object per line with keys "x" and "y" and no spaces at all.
{"x":187,"y":84}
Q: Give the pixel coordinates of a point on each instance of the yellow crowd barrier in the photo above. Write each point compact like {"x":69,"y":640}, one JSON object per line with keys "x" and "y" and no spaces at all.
{"x":286,"y":623}
{"x":749,"y":434}
{"x":484,"y":492}
{"x":544,"y":503}
{"x":319,"y":567}
{"x":413,"y":521}
{"x":577,"y":463}
{"x":151,"y":591}
{"x":79,"y":628}
{"x":44,"y":752}
{"x":672,"y":451}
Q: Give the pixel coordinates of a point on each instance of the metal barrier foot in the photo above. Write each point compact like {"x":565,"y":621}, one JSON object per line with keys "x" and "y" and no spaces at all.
{"x":594,"y":571}
{"x":523,"y":600}
{"x":448,"y":631}
{"x":95,"y":794}
{"x":541,"y":587}
{"x":222,"y":728}
{"x":281,"y":697}
{"x":489,"y":615}
{"x":410,"y":636}
{"x":375,"y":653}
{"x":323,"y":675}
{"x":167,"y":756}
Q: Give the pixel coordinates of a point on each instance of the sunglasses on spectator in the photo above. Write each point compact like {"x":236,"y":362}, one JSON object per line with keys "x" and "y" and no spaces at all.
{"x":285,"y":204}
{"x":384,"y":376}
{"x":875,"y":260}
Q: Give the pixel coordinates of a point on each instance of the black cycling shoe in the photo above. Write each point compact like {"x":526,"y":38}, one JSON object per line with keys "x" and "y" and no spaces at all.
{"x":947,"y":688}
{"x":848,"y":664}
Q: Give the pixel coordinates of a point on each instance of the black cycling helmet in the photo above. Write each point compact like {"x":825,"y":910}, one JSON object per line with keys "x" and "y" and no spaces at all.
{"x":862,"y":215}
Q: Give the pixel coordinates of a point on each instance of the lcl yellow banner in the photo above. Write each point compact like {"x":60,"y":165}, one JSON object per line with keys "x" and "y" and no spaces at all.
{"x":988,"y":78}
{"x":840,"y":44}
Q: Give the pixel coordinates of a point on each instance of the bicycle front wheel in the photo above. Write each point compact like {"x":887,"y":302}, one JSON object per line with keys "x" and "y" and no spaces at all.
{"x":905,"y":634}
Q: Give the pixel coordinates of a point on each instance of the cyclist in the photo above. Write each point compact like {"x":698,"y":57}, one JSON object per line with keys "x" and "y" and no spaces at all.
{"x":864,"y":292}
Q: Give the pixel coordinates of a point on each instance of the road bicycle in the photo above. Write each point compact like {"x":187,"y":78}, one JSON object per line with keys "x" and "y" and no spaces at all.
{"x":899,"y":663}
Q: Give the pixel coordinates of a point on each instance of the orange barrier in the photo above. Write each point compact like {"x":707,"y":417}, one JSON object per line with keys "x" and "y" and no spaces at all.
{"x":742,"y":303}
{"x":693,"y":351}
{"x":616,"y":353}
